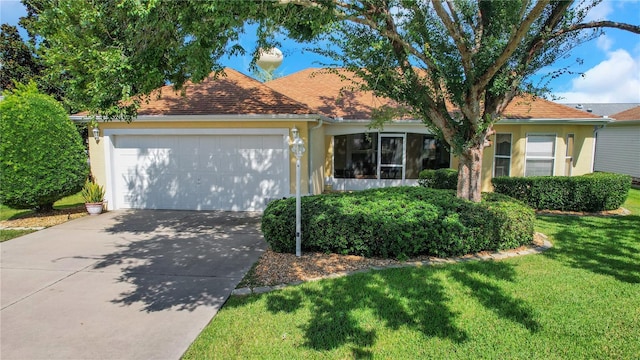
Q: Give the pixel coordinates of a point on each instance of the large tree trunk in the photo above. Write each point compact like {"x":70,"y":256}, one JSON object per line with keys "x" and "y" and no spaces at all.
{"x":469,"y":174}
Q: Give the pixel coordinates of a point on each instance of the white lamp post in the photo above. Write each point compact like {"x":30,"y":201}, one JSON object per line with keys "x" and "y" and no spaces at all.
{"x":297,"y":147}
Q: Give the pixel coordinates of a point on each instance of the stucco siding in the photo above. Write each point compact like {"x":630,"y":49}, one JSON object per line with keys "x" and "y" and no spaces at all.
{"x":618,"y":150}
{"x":583,"y":149}
{"x":317,"y":158}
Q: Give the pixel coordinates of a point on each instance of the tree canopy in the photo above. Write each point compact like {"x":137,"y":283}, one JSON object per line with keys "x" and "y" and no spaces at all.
{"x":475,"y":56}
{"x":18,"y":61}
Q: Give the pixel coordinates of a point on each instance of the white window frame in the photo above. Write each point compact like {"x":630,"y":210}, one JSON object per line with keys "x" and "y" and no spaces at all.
{"x":404,"y":154}
{"x":495,"y":153}
{"x":552,"y":157}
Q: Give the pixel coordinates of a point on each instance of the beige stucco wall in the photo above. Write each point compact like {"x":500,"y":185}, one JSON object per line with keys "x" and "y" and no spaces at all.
{"x":328,"y":162}
{"x":97,"y":159}
{"x":317,"y":157}
{"x":97,"y":150}
{"x":583,"y":149}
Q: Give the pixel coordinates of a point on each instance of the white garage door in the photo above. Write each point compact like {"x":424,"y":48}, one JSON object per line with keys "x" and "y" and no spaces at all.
{"x":208,"y":172}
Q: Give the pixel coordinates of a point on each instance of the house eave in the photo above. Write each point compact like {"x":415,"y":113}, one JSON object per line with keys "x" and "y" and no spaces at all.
{"x":624,"y":123}
{"x":537,"y":121}
{"x":216,"y":118}
{"x":339,"y":121}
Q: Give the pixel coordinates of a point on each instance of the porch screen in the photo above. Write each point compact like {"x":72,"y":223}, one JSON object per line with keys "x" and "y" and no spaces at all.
{"x":356,"y":156}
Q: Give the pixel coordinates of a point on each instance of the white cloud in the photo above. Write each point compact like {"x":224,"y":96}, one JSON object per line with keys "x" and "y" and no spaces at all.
{"x":614,"y":80}
{"x":604,"y":42}
{"x":600,"y":11}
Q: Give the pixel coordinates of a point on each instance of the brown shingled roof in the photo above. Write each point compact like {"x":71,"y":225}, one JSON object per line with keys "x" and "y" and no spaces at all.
{"x":329,"y":94}
{"x":631,"y":114}
{"x":325,"y":92}
{"x":531,"y":107}
{"x":232,"y":94}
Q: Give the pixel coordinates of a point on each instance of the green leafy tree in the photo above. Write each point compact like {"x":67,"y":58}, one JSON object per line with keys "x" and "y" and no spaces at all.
{"x":42,"y":158}
{"x":18,"y":62}
{"x":476,"y":55}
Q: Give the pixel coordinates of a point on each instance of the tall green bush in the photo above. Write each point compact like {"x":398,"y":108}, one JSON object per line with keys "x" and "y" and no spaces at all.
{"x":399,"y":222}
{"x":438,"y":179}
{"x":42,"y":158}
{"x":593,"y":192}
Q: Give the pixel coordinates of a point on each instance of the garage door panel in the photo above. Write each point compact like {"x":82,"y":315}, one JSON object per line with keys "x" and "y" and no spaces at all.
{"x":199,"y":172}
{"x":187,"y":152}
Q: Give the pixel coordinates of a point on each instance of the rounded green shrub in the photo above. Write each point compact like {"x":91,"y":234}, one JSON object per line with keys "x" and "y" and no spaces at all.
{"x":593,"y":192}
{"x":398,"y":222}
{"x":42,"y":158}
{"x":438,"y":179}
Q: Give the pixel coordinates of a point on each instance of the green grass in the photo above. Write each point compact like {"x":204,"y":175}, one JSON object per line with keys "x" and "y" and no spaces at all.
{"x":11,"y":234}
{"x":7,"y":213}
{"x":580,"y":299}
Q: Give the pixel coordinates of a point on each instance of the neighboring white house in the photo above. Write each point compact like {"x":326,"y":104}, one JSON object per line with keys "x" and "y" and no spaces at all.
{"x":618,"y":144}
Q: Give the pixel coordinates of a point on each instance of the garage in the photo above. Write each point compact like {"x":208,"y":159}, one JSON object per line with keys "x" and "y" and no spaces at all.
{"x":198,"y":169}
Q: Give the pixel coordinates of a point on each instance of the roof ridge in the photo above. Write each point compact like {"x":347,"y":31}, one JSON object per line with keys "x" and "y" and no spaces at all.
{"x":264,"y":84}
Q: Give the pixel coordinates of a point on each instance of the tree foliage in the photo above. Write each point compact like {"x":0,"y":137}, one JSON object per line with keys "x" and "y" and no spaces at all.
{"x":18,"y":61}
{"x":42,"y":158}
{"x":474,"y":55}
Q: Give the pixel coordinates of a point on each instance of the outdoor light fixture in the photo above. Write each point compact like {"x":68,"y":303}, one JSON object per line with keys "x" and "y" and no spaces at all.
{"x":297,"y":147}
{"x":96,"y":133}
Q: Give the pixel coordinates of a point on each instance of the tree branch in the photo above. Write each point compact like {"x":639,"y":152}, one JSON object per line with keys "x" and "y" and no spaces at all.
{"x":394,"y":37}
{"x":552,"y":21}
{"x":512,"y":45}
{"x":479,"y":32}
{"x":598,"y":24}
{"x":457,"y":37}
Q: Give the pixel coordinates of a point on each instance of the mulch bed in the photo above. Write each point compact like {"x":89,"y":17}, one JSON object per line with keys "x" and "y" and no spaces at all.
{"x":277,"y":268}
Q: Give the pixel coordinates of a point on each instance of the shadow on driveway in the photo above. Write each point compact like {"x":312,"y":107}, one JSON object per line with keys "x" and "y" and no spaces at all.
{"x":182,"y":259}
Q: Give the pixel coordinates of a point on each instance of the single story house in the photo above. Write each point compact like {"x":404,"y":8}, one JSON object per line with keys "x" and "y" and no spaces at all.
{"x":618,"y":145}
{"x":224,"y":144}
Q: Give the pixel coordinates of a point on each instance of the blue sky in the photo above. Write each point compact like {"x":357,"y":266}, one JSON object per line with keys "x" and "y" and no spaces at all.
{"x":611,"y":63}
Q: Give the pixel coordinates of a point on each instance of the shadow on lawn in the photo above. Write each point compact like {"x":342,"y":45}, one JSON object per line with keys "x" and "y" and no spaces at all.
{"x":416,"y":299}
{"x":608,"y":246}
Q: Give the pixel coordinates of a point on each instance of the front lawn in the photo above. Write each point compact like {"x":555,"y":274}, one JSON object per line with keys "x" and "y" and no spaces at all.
{"x":69,"y":204}
{"x":72,"y":201}
{"x":581,"y":299}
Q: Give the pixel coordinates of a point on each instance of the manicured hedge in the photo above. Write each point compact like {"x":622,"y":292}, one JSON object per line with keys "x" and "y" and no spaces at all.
{"x":438,"y":179}
{"x":42,"y":158}
{"x":593,"y":192}
{"x":399,"y":222}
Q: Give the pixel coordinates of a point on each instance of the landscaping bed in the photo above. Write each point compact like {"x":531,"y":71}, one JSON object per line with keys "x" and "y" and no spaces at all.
{"x":275,"y":268}
{"x":46,"y":219}
{"x":400,"y":223}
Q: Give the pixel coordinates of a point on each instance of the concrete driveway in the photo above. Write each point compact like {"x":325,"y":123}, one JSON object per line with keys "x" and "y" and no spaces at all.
{"x":122,"y":285}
